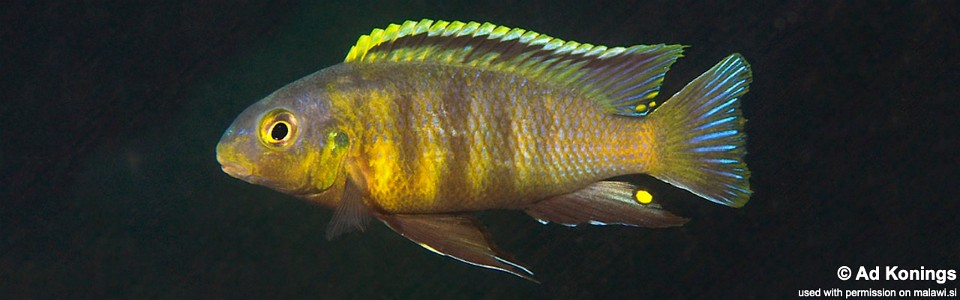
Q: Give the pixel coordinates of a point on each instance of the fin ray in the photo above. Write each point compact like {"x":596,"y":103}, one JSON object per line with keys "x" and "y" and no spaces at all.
{"x":618,"y":78}
{"x":603,"y":203}
{"x":458,"y":236}
{"x":351,"y":214}
{"x":703,"y":139}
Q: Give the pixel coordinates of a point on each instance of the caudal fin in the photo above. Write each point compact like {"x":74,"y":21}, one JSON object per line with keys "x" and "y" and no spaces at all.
{"x":703,"y":139}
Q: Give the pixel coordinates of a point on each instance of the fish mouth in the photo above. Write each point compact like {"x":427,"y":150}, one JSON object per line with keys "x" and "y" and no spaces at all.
{"x":233,"y":169}
{"x":236,"y":170}
{"x":230,"y":166}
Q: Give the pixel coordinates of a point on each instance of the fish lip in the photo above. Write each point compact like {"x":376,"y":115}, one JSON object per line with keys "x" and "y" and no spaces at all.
{"x":236,"y":170}
{"x":231,"y":167}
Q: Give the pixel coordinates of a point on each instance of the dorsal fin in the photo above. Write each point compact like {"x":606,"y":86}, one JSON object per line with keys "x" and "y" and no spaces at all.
{"x":620,"y":78}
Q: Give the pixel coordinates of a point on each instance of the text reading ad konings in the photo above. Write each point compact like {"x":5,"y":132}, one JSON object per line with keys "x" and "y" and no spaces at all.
{"x":944,"y":279}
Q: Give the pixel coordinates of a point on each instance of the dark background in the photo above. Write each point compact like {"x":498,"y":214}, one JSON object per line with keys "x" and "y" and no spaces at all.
{"x":110,"y":114}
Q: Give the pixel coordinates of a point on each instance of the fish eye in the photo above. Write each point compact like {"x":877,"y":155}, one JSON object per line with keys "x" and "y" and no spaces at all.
{"x":278,"y":128}
{"x":280,"y":131}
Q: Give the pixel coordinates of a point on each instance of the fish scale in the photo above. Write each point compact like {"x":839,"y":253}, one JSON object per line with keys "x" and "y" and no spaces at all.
{"x":428,"y":121}
{"x":523,"y":140}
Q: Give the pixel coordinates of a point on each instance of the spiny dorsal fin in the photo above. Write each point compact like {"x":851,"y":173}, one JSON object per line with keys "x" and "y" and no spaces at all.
{"x":618,"y":77}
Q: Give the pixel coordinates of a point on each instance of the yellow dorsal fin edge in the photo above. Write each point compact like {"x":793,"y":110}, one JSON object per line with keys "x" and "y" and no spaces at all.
{"x":617,"y":77}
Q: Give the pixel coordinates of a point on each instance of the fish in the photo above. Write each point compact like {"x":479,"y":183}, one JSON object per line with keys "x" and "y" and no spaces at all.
{"x":427,"y":122}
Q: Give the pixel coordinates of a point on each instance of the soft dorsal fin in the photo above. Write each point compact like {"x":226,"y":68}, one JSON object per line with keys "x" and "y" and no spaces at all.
{"x":620,"y":78}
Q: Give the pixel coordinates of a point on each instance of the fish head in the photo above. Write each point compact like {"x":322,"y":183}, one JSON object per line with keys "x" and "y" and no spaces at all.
{"x":288,"y":142}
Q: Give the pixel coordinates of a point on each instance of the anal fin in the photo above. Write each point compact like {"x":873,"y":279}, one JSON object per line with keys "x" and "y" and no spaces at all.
{"x":603,"y":203}
{"x":458,"y":236}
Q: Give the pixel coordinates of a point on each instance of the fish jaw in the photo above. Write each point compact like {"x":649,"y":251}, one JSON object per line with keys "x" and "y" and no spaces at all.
{"x":242,"y":157}
{"x":234,"y":153}
{"x":232,"y":163}
{"x":233,"y":169}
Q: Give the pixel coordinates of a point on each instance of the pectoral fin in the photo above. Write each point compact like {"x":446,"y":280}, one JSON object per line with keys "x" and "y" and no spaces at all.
{"x":457,"y":236}
{"x":351,"y":213}
{"x":602,"y":203}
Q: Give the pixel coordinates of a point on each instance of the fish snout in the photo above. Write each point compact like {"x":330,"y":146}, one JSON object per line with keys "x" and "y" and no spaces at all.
{"x":231,"y":167}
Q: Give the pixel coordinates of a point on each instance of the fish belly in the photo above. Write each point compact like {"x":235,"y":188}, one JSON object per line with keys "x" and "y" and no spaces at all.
{"x":444,"y":139}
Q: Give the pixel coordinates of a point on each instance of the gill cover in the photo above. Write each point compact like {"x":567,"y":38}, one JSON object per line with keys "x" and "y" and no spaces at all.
{"x":279,"y":129}
{"x":330,"y":159}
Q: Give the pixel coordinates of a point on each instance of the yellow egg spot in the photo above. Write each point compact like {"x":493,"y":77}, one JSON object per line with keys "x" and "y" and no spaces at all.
{"x":651,"y":95}
{"x":643,"y":197}
{"x":641,"y":108}
{"x":653,"y":103}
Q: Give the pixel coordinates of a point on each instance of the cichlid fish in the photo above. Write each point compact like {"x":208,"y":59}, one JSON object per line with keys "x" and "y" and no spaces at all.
{"x":428,"y":121}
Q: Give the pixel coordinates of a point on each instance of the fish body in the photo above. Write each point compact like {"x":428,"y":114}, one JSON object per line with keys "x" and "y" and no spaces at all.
{"x":441,"y":139}
{"x":428,"y":121}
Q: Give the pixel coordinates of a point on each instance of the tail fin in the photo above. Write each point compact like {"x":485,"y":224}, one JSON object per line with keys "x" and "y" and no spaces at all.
{"x":704,"y":143}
